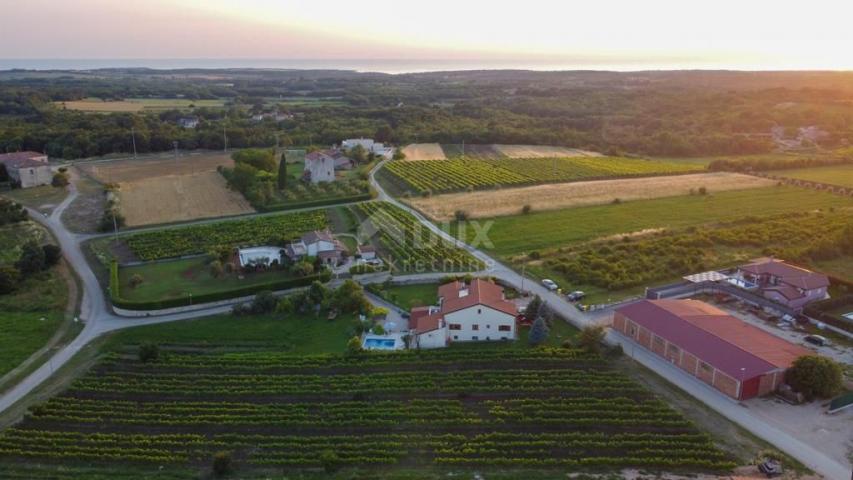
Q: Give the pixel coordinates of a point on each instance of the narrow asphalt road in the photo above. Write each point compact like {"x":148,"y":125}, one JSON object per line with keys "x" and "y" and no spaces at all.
{"x":99,"y":319}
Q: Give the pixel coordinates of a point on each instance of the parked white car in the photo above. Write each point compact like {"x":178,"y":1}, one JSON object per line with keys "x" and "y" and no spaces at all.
{"x":549,"y":284}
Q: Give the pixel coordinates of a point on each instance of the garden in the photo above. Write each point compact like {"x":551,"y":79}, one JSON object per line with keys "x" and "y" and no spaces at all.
{"x":433,"y":176}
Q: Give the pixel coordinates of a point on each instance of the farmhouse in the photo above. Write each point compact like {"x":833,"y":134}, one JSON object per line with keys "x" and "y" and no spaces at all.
{"x":321,"y":244}
{"x":188,"y":122}
{"x":734,"y":357}
{"x":367,"y":252}
{"x":465,"y":313}
{"x":27,"y":169}
{"x":786,"y":284}
{"x":320,"y":166}
{"x":368,"y":144}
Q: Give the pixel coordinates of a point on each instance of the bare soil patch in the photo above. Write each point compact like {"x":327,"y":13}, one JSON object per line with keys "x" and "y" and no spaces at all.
{"x":493,"y":203}
{"x":138,"y":169}
{"x":542,"y":151}
{"x":424,"y":151}
{"x":176,"y":198}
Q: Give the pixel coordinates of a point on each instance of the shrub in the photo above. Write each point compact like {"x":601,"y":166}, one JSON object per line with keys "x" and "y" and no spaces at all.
{"x":52,"y":254}
{"x":354,"y":346}
{"x":460,"y":215}
{"x":9,"y":279}
{"x":526,"y":209}
{"x":60,"y":179}
{"x":703,"y":191}
{"x":616,"y":201}
{"x":264,"y":302}
{"x":330,"y":461}
{"x":222,"y":463}
{"x":136,"y":280}
{"x":148,"y":352}
{"x":534,"y":255}
{"x":216,"y":269}
{"x":32,"y":259}
{"x":591,"y":337}
{"x":815,"y":376}
{"x":538,"y":332}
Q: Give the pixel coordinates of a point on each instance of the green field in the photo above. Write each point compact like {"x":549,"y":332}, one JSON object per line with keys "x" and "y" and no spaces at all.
{"x":98,"y":105}
{"x":552,"y":229}
{"x":30,"y":316}
{"x":836,"y":175}
{"x":179,"y":278}
{"x":44,"y":198}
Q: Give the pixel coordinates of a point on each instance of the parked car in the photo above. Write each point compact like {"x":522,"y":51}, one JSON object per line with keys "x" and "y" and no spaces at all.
{"x":549,"y":284}
{"x":771,"y":468}
{"x":817,"y":340}
{"x":575,"y":296}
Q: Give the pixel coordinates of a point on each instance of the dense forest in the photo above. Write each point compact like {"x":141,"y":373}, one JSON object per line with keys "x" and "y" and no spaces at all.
{"x":647,"y":113}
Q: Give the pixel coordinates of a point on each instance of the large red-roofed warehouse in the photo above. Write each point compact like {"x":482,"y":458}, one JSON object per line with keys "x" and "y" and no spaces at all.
{"x":736,"y":358}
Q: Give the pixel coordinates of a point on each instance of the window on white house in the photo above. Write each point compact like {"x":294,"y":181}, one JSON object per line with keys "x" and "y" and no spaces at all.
{"x":475,"y":337}
{"x":475,"y":327}
{"x":504,"y":328}
{"x":479,"y":311}
{"x":454,"y":326}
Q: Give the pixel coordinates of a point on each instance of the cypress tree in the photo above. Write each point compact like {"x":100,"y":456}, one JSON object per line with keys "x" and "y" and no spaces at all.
{"x":282,"y":172}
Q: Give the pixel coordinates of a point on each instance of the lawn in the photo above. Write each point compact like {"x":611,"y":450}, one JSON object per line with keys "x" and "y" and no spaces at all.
{"x":841,"y":267}
{"x":179,"y":278}
{"x":30,"y":317}
{"x":295,"y":334}
{"x":543,"y":230}
{"x":98,"y":105}
{"x":410,"y":296}
{"x":44,"y":198}
{"x":835,"y":175}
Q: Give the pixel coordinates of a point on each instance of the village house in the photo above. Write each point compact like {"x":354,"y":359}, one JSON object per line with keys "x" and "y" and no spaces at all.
{"x":320,"y":166}
{"x":366,"y":252}
{"x":786,"y":284}
{"x":376,"y":148}
{"x":27,"y":169}
{"x":321,"y":244}
{"x":188,"y":122}
{"x":465,"y":313}
{"x":736,"y":358}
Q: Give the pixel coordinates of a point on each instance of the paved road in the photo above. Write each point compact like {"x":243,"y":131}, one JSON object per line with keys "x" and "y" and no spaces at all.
{"x":100,"y":319}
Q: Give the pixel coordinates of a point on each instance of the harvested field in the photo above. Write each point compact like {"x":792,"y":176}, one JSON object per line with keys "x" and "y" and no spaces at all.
{"x":542,"y":151}
{"x":494,"y":203}
{"x":176,"y":198}
{"x":143,"y":168}
{"x":424,"y":151}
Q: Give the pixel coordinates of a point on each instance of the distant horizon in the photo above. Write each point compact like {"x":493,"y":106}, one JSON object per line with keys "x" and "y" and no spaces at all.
{"x":366,"y":65}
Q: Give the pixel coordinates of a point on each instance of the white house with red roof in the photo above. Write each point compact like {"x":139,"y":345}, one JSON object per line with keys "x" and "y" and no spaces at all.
{"x":321,"y":244}
{"x":783,"y":283}
{"x":466,"y":312}
{"x":27,"y":169}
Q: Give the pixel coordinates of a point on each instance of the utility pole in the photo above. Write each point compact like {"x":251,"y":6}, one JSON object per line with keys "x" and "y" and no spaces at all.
{"x":115,"y":226}
{"x":224,"y":139}
{"x":463,"y":149}
{"x":133,"y":138}
{"x":175,"y":144}
{"x":523,"y":268}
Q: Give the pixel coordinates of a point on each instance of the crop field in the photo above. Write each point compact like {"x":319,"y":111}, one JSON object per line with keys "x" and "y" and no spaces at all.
{"x":97,"y":105}
{"x":495,"y":408}
{"x":199,"y":239}
{"x":177,"y":198}
{"x":513,"y":235}
{"x":424,"y":151}
{"x":836,"y":175}
{"x":478,"y":174}
{"x":411,"y":246}
{"x":495,"y":203}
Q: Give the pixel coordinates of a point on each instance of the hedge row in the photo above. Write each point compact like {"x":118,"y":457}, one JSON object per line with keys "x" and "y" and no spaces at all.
{"x":818,"y":311}
{"x":283,"y":284}
{"x":274,"y":207}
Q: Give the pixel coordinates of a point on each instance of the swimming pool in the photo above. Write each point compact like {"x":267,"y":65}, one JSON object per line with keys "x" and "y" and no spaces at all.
{"x":391,"y":341}
{"x":379,"y":344}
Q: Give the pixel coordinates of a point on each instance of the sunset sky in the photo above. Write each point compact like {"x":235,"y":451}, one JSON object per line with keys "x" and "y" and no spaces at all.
{"x":724,"y":33}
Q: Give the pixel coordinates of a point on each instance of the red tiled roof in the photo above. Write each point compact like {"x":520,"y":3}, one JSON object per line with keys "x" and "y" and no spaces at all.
{"x":423,"y":321}
{"x":22,"y":159}
{"x":790,"y":274}
{"x":721,"y":340}
{"x":480,"y":292}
